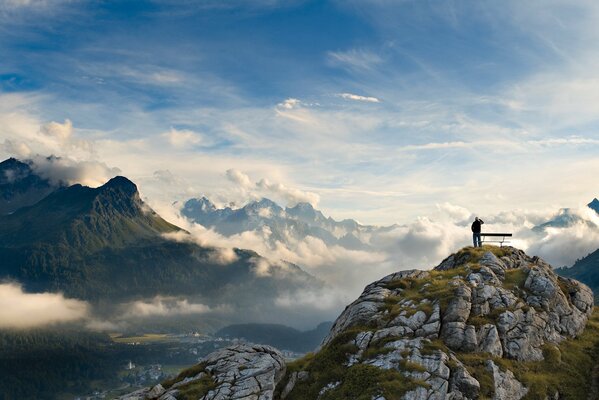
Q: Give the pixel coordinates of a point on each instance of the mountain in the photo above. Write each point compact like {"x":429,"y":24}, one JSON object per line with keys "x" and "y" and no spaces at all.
{"x":20,"y":186}
{"x":105,"y":243}
{"x":279,"y":336}
{"x":283,"y":225}
{"x":566,"y":218}
{"x":585,"y":270}
{"x":485,"y":323}
{"x":594,"y":205}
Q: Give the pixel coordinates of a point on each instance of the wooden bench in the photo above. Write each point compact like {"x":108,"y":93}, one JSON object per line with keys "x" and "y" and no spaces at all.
{"x":500,"y":238}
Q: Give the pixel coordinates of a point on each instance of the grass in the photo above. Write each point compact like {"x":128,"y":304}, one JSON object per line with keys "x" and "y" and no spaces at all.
{"x":490,"y":318}
{"x":515,"y":278}
{"x":359,"y":382}
{"x":145,"y":338}
{"x":474,"y":254}
{"x":196,"y":389}
{"x":567,"y":369}
{"x":187,"y":373}
{"x":435,"y":287}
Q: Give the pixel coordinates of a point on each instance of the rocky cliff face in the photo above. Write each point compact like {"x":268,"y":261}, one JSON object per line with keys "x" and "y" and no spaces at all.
{"x":485,"y":323}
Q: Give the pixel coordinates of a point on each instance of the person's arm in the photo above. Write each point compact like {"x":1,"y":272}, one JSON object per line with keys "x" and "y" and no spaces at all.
{"x":481,"y":221}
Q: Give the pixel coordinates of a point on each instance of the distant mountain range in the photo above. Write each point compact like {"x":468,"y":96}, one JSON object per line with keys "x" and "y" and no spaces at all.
{"x":283,"y":224}
{"x":106,"y":244}
{"x":280,"y":336}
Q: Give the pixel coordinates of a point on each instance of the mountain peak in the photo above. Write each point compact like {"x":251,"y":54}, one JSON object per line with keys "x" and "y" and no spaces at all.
{"x":594,"y":205}
{"x":303,"y":206}
{"x":120,"y":182}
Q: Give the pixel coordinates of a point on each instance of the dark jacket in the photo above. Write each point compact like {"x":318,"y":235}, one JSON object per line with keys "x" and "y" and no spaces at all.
{"x":476,"y":225}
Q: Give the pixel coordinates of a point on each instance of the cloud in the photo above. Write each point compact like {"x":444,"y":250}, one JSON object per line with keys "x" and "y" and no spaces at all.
{"x":220,"y":253}
{"x":349,"y":96}
{"x":290,"y":104}
{"x":264,"y":187}
{"x":291,"y":195}
{"x":354,"y":59}
{"x":67,"y":171}
{"x":22,"y":310}
{"x":163,"y":306}
{"x":239,"y":178}
{"x":60,"y":132}
{"x":182,"y":138}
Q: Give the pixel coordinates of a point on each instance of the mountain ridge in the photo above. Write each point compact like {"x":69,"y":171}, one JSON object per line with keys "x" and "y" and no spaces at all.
{"x":284,"y":225}
{"x":106,"y":243}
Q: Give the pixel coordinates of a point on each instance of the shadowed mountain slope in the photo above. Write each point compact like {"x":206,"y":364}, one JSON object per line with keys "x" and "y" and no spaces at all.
{"x":585,"y":270}
{"x":20,"y":186}
{"x":105,"y":243}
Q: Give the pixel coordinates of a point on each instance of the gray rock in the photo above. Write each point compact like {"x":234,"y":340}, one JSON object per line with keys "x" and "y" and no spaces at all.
{"x":488,"y":340}
{"x":462,"y":385}
{"x":240,"y":372}
{"x":506,"y":386}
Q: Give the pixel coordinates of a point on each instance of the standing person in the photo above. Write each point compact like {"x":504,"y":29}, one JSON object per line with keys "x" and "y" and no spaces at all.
{"x":476,"y":232}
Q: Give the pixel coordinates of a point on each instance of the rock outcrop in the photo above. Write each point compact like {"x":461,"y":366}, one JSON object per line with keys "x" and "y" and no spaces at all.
{"x":445,"y":330}
{"x":237,"y":372}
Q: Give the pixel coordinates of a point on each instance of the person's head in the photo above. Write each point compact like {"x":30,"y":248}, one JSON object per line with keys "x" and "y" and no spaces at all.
{"x":476,"y":218}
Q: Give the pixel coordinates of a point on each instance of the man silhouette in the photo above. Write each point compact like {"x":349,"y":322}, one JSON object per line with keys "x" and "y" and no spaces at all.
{"x":476,"y":232}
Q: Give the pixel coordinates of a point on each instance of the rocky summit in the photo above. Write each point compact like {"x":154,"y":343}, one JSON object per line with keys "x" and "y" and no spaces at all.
{"x":487,"y":323}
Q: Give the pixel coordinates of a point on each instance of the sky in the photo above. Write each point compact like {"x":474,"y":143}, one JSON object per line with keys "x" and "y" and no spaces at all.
{"x":421,"y":113}
{"x":376,"y":110}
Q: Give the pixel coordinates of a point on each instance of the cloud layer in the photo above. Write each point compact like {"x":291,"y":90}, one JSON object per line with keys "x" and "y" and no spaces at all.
{"x":21,"y":310}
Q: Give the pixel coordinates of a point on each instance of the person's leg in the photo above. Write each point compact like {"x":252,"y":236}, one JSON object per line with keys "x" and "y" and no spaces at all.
{"x":474,"y":239}
{"x":479,"y":240}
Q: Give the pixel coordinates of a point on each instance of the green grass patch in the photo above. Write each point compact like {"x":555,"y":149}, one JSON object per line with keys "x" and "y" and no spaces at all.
{"x":357,"y":382}
{"x":432,"y":346}
{"x":474,"y":254}
{"x":436,"y":287}
{"x":187,"y":373}
{"x":568,"y":368}
{"x":363,"y":382}
{"x":475,"y":364}
{"x":407,"y":365}
{"x":196,"y":389}
{"x":490,"y":318}
{"x":515,"y":278}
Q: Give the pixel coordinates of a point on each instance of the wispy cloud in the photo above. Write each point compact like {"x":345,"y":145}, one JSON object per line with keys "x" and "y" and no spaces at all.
{"x":356,"y":97}
{"x":354,"y":59}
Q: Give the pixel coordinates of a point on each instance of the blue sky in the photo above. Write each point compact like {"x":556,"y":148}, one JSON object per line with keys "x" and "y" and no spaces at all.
{"x":377,"y":109}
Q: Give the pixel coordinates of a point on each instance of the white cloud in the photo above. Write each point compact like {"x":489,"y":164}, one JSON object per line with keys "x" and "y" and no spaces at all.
{"x":183,"y":138}
{"x":21,"y":310}
{"x":290,"y":104}
{"x":67,"y":171}
{"x":292,"y":196}
{"x":240,"y":179}
{"x":163,"y":306}
{"x":56,"y":130}
{"x":368,"y":99}
{"x":265,"y":188}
